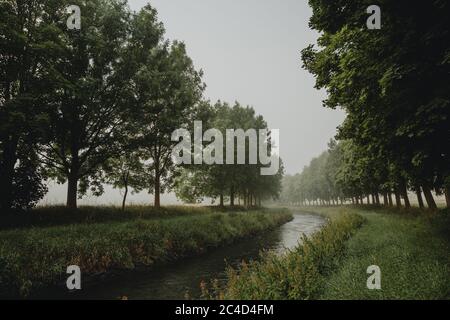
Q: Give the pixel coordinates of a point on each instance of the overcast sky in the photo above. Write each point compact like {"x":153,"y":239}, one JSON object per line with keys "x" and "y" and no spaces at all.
{"x":249,"y":51}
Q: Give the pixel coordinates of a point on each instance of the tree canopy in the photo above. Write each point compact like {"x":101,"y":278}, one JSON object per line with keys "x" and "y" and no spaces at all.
{"x":393,"y":85}
{"x":98,"y":104}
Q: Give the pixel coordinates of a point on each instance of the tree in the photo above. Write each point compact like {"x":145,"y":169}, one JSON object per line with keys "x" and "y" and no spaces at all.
{"x":125,"y":172}
{"x":88,"y":106}
{"x":167,"y":90}
{"x":391,"y":84}
{"x":27,"y":54}
{"x":229,"y":181}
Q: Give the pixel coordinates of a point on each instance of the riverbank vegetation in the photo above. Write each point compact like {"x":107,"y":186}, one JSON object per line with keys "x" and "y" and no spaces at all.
{"x":299,"y":274}
{"x":36,"y":257}
{"x":410,"y":247}
{"x":60,"y":215}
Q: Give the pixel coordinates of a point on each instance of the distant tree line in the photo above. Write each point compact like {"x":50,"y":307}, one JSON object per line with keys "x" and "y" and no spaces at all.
{"x":394,"y":86}
{"x":238,"y":184}
{"x":341,"y":175}
{"x":91,"y":106}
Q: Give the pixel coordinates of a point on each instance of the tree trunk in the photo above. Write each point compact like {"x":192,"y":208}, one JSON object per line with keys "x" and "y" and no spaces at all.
{"x":390,"y":199}
{"x":419,"y":197}
{"x":373,"y":199}
{"x":368,"y":199}
{"x":124,"y":198}
{"x":72,"y":189}
{"x":157,"y":203}
{"x":7,"y":173}
{"x":447,"y":196}
{"x":221,"y":200}
{"x":429,"y":197}
{"x":398,"y":202}
{"x":404,"y":192}
{"x":232,"y":196}
{"x":385,"y":199}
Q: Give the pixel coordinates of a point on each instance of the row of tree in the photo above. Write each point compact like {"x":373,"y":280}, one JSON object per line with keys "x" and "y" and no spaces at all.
{"x":342,"y":174}
{"x":90,"y":106}
{"x":394,"y":85}
{"x":227,"y":182}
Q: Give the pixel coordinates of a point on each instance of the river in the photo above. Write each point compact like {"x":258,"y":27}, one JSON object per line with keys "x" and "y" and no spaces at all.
{"x":176,"y":280}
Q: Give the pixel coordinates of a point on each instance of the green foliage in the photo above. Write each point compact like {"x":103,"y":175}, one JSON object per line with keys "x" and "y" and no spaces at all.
{"x":318,"y":181}
{"x":167,"y":90}
{"x":300,"y":273}
{"x":126,"y":171}
{"x":37,"y":257}
{"x":25,"y":55}
{"x":393,"y":85}
{"x":76,"y":100}
{"x":231,"y":181}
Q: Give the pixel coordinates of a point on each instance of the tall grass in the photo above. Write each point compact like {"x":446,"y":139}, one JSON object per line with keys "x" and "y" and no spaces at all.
{"x":58,"y":215}
{"x":36,"y":257}
{"x":412,"y":250}
{"x":299,"y":274}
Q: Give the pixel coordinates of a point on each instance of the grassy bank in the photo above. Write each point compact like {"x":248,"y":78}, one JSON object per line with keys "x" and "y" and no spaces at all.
{"x":299,"y":274}
{"x":33,"y":258}
{"x":58,"y":215}
{"x":412,"y":249}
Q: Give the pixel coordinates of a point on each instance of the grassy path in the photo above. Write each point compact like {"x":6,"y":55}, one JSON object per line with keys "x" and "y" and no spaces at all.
{"x":413,"y":253}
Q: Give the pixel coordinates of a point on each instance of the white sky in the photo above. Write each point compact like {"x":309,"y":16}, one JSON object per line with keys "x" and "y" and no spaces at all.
{"x":249,"y":51}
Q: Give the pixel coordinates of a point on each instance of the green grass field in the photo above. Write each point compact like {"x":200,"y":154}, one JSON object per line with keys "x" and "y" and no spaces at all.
{"x":411,"y":248}
{"x":412,"y":251}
